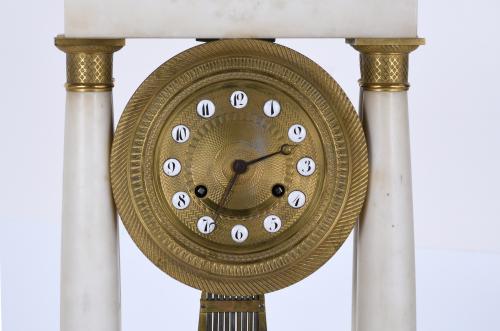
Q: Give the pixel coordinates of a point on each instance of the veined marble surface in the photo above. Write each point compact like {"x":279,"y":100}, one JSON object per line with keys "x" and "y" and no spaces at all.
{"x":384,"y":270}
{"x":240,"y":19}
{"x":90,"y":271}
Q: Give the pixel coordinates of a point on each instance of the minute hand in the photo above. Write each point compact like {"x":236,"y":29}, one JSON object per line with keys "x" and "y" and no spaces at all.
{"x":285,"y":149}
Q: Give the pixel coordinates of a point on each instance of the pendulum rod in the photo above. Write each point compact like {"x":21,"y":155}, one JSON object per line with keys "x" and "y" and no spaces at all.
{"x":232,"y":313}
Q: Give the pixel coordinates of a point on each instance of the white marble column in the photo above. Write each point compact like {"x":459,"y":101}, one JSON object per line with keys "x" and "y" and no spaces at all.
{"x":384,"y":262}
{"x":90,"y":275}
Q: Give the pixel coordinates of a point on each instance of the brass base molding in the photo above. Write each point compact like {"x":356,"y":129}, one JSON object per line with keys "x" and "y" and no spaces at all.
{"x":89,"y":62}
{"x":384,"y":62}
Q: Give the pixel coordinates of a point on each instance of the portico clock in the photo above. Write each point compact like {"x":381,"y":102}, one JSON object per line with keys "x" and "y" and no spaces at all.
{"x":239,"y":167}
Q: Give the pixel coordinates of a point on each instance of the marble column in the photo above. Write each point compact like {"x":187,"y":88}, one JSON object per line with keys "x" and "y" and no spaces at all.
{"x":384,"y":261}
{"x":90,"y":275}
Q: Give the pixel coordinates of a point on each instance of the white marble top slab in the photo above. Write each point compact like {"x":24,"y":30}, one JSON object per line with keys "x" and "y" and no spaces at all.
{"x":240,"y":18}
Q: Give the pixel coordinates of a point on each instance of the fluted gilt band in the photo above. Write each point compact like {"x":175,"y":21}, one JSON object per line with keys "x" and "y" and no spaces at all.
{"x":384,"y":62}
{"x":89,"y":62}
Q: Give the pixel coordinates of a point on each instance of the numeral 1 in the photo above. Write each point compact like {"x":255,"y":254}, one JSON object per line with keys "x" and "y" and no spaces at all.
{"x":272,"y":108}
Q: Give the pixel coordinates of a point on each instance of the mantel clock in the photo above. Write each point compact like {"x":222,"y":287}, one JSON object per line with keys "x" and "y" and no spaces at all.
{"x":239,"y":167}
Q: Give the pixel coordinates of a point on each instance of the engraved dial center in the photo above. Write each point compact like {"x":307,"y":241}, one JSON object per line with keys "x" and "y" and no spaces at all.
{"x":222,"y":146}
{"x":234,"y":150}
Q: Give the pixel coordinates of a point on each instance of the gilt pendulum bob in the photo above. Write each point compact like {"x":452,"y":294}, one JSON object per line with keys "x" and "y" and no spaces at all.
{"x":239,"y":167}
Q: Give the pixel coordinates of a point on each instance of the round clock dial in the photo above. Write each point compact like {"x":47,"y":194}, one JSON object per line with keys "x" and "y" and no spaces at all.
{"x":244,"y":134}
{"x":239,"y":167}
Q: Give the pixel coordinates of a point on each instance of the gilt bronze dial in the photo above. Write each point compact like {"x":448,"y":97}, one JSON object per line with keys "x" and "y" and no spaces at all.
{"x":239,"y":167}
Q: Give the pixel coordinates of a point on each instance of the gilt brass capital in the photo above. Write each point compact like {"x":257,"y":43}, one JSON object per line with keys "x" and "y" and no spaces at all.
{"x":384,"y":62}
{"x":89,"y":62}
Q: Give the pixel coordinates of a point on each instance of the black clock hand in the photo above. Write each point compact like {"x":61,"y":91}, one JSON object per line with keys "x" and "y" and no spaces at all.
{"x":285,"y":149}
{"x":239,"y":167}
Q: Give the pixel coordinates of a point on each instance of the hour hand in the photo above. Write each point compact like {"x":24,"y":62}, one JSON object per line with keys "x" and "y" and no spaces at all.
{"x":225,"y":195}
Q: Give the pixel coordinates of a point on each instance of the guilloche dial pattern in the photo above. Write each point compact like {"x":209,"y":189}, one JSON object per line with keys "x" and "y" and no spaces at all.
{"x":239,"y":121}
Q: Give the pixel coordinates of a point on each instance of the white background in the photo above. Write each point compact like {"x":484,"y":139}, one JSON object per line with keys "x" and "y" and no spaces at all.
{"x":455,"y":135}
